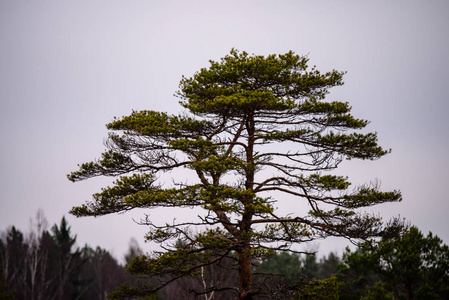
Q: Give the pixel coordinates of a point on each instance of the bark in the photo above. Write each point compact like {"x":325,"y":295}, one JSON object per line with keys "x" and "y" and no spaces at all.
{"x":245,"y":270}
{"x":245,"y":275}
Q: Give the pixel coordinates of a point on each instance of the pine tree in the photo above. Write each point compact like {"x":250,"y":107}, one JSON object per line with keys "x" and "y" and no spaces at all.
{"x":254,"y":128}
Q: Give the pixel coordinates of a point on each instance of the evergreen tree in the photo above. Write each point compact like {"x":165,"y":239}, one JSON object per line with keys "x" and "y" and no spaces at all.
{"x":410,"y":267}
{"x":13,"y":261}
{"x":310,"y":266}
{"x":328,"y":265}
{"x":133,"y":251}
{"x":254,"y":128}
{"x":100,"y":274}
{"x":283,"y":263}
{"x":68,"y":263}
{"x":50,"y":265}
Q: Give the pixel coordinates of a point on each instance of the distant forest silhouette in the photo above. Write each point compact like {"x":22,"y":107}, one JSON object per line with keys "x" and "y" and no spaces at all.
{"x":46,"y":264}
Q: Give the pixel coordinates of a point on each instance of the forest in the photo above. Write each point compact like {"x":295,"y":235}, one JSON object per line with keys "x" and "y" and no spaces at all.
{"x":47,"y":264}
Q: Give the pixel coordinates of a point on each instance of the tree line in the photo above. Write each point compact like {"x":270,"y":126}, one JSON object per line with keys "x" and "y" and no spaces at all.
{"x":412,"y":266}
{"x":46,"y":264}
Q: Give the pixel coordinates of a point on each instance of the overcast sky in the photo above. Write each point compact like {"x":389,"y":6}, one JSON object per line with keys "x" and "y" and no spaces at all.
{"x":68,"y":67}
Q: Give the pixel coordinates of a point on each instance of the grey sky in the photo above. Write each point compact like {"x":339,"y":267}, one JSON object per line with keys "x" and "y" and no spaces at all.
{"x":68,"y":67}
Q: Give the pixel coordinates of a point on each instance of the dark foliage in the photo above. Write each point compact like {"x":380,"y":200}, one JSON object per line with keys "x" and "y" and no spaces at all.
{"x":410,"y":267}
{"x":46,"y":265}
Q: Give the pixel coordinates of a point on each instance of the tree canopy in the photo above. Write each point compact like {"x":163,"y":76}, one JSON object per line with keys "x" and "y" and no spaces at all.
{"x":412,"y":266}
{"x":46,"y":264}
{"x":254,"y":129}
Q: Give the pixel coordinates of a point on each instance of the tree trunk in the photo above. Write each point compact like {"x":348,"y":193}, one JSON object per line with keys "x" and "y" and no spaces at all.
{"x":245,"y":271}
{"x":245,"y":275}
